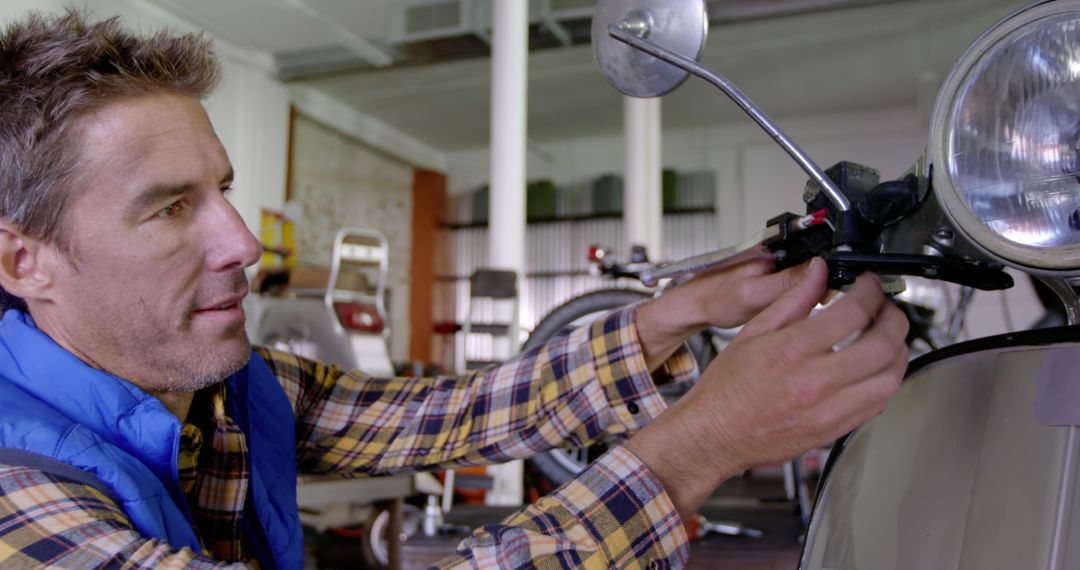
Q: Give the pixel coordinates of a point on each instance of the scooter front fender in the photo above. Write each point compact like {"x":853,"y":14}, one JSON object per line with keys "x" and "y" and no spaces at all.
{"x":974,"y":465}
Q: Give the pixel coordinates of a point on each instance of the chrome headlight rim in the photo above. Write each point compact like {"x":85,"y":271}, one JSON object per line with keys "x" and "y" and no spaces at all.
{"x":1059,"y":261}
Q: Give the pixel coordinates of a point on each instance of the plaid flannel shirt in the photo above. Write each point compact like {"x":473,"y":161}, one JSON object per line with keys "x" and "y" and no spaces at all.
{"x":576,"y":389}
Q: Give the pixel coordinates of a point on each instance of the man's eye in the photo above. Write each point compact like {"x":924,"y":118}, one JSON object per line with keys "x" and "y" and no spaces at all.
{"x":172,"y":210}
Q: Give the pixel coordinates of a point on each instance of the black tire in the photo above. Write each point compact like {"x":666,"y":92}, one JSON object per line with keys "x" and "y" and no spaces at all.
{"x":577,"y":309}
{"x":558,"y":466}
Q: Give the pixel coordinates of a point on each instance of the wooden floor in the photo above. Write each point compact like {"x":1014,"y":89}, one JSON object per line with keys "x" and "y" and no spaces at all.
{"x":779,"y":548}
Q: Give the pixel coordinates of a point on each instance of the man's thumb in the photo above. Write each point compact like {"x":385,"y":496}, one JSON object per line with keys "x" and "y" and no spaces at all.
{"x":794,"y":305}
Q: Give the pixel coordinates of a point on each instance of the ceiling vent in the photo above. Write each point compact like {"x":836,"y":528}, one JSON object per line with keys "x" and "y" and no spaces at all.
{"x":429,"y":31}
{"x":413,"y":21}
{"x":571,"y":9}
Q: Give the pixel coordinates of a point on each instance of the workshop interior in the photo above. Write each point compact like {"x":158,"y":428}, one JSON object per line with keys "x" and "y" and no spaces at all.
{"x":439,"y":185}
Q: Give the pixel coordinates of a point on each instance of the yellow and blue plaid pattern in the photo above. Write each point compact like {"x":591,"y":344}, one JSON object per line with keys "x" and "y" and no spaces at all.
{"x":578,"y":388}
{"x":614,"y":515}
{"x":216,"y":482}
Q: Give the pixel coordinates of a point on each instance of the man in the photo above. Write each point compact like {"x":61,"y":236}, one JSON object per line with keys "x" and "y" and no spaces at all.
{"x":140,"y":428}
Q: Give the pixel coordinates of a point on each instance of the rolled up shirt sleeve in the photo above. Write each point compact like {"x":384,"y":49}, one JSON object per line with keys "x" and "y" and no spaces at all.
{"x":620,"y":367}
{"x":615,"y":514}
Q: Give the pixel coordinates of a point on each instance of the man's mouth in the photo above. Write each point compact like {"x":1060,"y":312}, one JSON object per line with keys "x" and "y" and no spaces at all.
{"x":231,"y":302}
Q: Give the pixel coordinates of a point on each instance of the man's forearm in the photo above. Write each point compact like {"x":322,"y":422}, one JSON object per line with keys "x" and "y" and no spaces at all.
{"x":663,"y":324}
{"x":574,"y":390}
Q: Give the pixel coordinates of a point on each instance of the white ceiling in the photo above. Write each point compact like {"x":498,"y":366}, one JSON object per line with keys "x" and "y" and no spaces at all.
{"x":885,"y":55}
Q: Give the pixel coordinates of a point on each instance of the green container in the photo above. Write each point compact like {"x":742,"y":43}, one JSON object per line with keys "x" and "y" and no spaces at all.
{"x":607,"y":194}
{"x":540,"y":200}
{"x":481,"y":205}
{"x":669,"y":180}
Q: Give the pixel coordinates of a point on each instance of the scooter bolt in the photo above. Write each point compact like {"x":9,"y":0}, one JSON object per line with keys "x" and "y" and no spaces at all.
{"x":944,"y":236}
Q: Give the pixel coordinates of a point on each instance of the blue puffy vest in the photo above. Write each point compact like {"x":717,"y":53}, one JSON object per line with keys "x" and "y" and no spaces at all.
{"x":54,"y":405}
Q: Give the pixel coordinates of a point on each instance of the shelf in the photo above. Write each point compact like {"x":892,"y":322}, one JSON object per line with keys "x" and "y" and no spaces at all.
{"x":581,"y":218}
{"x":535,"y":275}
{"x":489,"y":328}
{"x":471,"y":365}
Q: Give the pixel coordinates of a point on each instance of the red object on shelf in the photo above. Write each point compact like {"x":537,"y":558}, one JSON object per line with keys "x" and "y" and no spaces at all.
{"x":359,"y":317}
{"x":596,"y":253}
{"x":447,"y":327}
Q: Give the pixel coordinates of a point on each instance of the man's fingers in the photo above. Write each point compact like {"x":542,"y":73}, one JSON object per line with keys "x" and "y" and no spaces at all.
{"x":796,"y":298}
{"x":871,"y":352}
{"x":750,"y":269}
{"x":757,"y":292}
{"x":845,"y":317}
{"x":750,"y":263}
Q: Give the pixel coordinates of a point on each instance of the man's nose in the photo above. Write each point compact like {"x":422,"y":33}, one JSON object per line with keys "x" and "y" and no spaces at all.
{"x":233,"y":244}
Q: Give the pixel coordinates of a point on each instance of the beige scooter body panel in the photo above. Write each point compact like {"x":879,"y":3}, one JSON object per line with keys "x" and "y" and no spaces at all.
{"x":973,"y":466}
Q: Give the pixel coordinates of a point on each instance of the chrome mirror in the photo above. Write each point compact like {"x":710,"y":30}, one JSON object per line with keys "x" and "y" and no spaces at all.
{"x":680,"y":26}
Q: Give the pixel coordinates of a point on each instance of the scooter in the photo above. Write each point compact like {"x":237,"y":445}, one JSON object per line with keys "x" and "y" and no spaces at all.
{"x":976,"y":461}
{"x":343,"y":322}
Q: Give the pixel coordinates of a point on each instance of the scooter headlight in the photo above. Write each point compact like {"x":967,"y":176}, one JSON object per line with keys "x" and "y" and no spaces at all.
{"x":1005,"y":139}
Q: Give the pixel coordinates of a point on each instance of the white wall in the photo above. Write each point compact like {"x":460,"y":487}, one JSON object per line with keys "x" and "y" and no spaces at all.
{"x":250,"y":110}
{"x":756,"y":180}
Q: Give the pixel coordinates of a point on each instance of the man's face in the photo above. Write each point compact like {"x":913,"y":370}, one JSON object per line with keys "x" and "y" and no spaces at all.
{"x":151,"y":289}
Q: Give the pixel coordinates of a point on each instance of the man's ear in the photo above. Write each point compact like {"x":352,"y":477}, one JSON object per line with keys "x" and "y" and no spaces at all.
{"x":26,"y":270}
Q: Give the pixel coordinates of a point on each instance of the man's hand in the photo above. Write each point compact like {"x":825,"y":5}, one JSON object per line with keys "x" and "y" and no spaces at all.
{"x":780,"y":388}
{"x":725,"y":299}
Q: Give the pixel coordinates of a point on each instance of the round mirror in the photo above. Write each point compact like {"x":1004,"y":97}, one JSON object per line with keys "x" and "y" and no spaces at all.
{"x":676,"y":25}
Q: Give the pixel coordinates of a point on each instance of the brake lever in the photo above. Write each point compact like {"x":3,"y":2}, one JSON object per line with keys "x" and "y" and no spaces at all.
{"x":710,"y":261}
{"x":795,"y":239}
{"x":778,"y":232}
{"x":796,"y":243}
{"x":844,"y":267}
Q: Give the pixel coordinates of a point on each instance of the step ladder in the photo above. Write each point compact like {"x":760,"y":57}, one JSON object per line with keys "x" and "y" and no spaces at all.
{"x":489,"y":335}
{"x":489,"y":331}
{"x":359,"y":313}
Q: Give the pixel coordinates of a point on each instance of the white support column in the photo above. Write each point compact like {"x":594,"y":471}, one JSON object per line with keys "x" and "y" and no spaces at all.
{"x":509,"y":67}
{"x":642,"y":193}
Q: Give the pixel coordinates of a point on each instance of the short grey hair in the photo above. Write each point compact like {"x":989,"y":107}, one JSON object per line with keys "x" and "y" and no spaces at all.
{"x":55,"y":70}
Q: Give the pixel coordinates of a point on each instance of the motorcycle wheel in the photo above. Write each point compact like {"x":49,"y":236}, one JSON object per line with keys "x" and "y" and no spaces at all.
{"x":558,"y":466}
